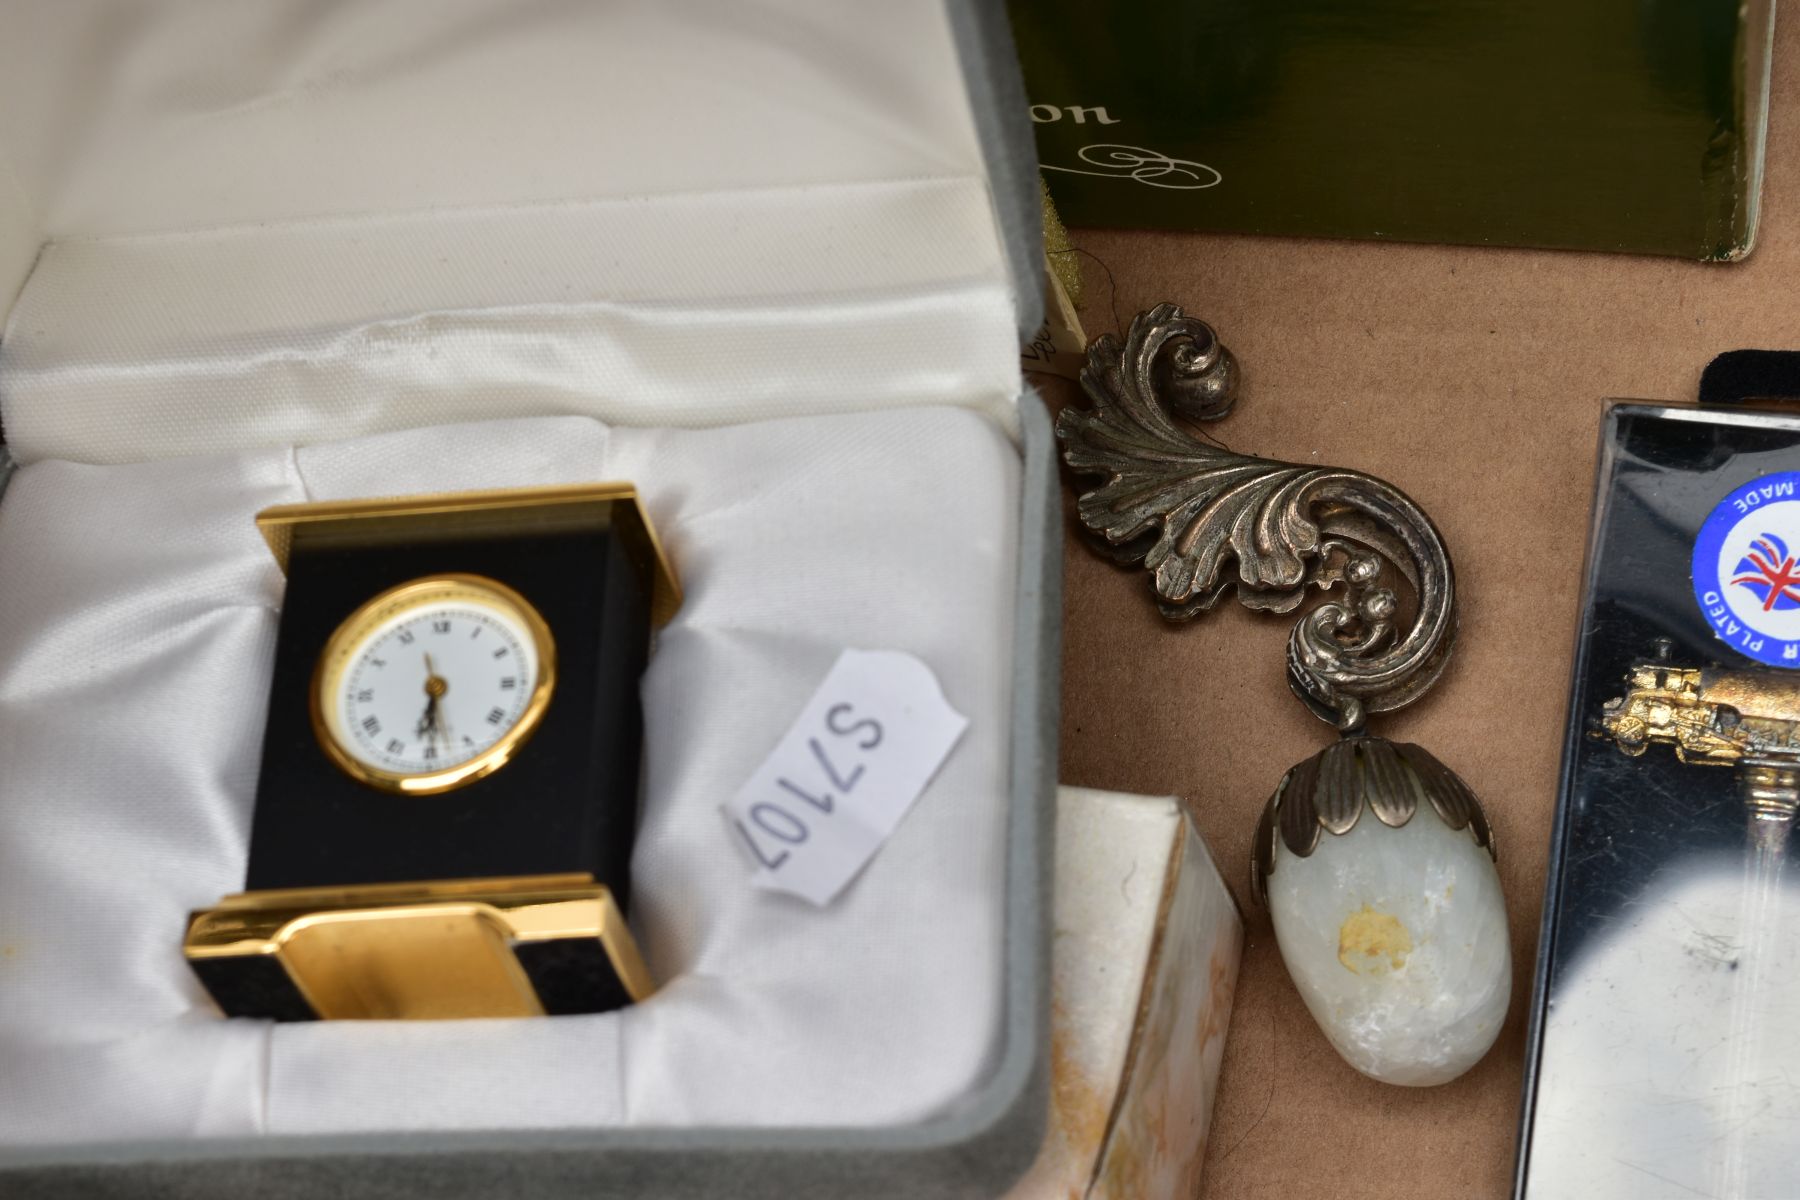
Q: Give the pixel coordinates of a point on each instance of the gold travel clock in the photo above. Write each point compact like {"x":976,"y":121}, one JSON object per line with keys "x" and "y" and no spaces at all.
{"x":448,"y":795}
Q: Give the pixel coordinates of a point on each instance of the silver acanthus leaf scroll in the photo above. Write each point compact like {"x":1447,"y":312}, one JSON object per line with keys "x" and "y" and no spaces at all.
{"x":1398,"y":947}
{"x":1205,"y":520}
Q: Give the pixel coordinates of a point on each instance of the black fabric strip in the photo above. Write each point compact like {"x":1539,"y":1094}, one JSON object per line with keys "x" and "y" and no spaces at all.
{"x":1740,"y":375}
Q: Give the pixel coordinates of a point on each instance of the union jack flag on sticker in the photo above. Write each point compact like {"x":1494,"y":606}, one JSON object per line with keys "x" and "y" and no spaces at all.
{"x":1768,"y":571}
{"x":1747,"y":572}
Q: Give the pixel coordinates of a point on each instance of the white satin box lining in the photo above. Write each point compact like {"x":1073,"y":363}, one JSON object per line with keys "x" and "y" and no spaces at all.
{"x":742,"y":253}
{"x":122,"y":117}
{"x":137,"y":616}
{"x":683,"y":310}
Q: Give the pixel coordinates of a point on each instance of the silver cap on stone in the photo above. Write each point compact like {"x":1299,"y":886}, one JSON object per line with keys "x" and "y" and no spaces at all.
{"x":1329,"y":791}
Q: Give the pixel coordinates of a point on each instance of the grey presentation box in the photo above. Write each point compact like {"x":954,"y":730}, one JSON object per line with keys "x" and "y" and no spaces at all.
{"x":978,"y":1150}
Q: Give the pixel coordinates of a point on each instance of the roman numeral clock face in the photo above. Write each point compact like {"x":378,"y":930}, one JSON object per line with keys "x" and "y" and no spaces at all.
{"x":433,"y":684}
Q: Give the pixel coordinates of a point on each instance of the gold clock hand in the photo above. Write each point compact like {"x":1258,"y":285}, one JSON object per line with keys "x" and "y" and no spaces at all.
{"x":432,"y":725}
{"x":435,"y":685}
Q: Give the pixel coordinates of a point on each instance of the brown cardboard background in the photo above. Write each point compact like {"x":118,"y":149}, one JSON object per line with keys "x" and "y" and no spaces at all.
{"x":1472,"y":379}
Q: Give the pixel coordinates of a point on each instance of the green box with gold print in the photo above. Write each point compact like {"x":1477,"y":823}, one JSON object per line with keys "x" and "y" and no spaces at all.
{"x":1627,"y":125}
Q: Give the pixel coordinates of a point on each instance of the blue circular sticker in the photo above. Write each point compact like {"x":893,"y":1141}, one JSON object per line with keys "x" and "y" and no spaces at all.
{"x":1747,"y":569}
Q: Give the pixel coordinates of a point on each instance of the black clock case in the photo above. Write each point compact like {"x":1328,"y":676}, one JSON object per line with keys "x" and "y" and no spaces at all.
{"x":566,"y":802}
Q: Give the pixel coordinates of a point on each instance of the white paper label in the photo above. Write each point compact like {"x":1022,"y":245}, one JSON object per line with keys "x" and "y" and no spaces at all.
{"x":840,"y":781}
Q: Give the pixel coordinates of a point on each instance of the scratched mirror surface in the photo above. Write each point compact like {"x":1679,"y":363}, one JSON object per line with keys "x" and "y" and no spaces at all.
{"x":1664,"y":1056}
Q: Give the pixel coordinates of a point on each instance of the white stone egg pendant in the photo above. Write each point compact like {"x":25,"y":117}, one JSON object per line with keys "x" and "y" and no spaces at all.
{"x":1392,"y":926}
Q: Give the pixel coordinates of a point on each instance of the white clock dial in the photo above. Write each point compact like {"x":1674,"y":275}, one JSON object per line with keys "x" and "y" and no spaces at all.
{"x":434,"y":683}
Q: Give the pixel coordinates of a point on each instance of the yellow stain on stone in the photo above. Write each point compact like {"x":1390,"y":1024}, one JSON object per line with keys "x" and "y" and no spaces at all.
{"x":1367,"y":938}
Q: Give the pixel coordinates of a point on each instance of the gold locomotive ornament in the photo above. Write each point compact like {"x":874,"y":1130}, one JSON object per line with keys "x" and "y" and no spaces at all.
{"x":1712,"y":716}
